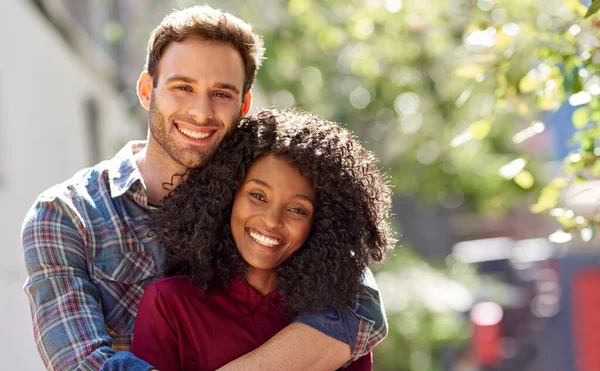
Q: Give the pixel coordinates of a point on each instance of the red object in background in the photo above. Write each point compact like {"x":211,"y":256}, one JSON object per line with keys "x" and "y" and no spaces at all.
{"x":585,"y":289}
{"x":486,"y":343}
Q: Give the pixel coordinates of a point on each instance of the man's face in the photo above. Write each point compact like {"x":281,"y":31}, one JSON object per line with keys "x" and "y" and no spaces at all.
{"x":196,"y":101}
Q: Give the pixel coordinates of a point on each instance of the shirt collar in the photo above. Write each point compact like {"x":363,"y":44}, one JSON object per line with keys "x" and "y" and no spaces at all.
{"x":123,"y":172}
{"x":248,"y":299}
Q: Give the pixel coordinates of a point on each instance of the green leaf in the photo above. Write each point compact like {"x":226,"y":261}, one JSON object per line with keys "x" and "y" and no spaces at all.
{"x":566,"y":222}
{"x":581,"y":117}
{"x":593,"y":8}
{"x":480,"y":129}
{"x":577,"y":6}
{"x":529,"y":82}
{"x":559,"y":183}
{"x":595,"y":170}
{"x":524,"y":179}
{"x":550,"y":195}
{"x":468,"y":71}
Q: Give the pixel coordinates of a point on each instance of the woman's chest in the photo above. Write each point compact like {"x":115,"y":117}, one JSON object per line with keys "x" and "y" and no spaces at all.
{"x":217,"y":335}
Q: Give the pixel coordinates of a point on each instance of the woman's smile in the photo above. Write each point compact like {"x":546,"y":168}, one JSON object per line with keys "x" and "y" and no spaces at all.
{"x":265,"y":240}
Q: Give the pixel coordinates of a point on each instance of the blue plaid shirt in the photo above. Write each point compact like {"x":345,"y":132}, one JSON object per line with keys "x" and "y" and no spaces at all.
{"x":89,"y":256}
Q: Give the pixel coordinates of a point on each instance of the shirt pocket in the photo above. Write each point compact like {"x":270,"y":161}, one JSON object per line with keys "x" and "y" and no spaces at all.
{"x":121,"y":279}
{"x":127,"y":268}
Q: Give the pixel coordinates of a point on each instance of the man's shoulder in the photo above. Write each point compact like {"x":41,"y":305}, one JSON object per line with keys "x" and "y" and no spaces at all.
{"x":83,"y":184}
{"x":68,"y":198}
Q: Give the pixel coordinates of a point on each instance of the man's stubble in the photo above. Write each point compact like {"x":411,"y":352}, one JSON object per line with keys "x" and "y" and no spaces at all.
{"x":187,"y":157}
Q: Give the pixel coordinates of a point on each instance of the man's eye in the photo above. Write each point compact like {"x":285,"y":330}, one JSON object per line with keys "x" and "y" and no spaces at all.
{"x":258,"y":196}
{"x":184,"y":88}
{"x":220,"y":94}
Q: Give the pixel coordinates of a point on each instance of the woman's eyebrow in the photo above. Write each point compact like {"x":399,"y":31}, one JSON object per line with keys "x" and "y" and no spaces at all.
{"x":304,"y":197}
{"x":259,"y":182}
{"x":266,"y":185}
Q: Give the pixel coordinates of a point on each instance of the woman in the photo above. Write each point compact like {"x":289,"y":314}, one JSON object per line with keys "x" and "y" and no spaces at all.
{"x":282,"y":220}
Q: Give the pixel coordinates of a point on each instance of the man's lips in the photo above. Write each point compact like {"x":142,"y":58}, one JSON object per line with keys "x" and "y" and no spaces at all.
{"x":195,"y":132}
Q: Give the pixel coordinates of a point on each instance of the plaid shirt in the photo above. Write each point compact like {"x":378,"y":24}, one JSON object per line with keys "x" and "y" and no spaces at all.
{"x":89,"y":256}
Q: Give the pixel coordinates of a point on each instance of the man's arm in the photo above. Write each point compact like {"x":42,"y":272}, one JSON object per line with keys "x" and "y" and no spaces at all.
{"x":296,"y":347}
{"x":68,"y":322}
{"x":325,"y":340}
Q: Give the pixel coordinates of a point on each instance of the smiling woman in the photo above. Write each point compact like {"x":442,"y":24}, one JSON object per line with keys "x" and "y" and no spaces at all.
{"x":282,"y":220}
{"x":271,"y":218}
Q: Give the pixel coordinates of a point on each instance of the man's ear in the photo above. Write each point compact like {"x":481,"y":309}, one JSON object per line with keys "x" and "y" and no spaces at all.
{"x":246,"y":103}
{"x":144,"y":89}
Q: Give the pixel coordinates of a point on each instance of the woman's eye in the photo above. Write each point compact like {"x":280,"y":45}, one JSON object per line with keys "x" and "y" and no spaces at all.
{"x":299,"y":210}
{"x":258,"y":196}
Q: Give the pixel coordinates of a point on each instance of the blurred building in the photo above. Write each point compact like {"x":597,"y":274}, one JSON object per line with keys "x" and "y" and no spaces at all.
{"x":58,"y":113}
{"x":549,"y":304}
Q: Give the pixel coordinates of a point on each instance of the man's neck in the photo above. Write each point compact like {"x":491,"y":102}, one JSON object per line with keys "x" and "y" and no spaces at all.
{"x":157,"y":169}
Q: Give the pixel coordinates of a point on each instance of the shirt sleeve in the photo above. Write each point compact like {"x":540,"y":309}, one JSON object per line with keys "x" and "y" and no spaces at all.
{"x":68,"y":323}
{"x":154,"y":338}
{"x":364,"y":363}
{"x":361,"y":325}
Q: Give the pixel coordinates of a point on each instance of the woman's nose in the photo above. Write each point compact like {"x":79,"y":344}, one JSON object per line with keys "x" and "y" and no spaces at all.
{"x":272,"y":218}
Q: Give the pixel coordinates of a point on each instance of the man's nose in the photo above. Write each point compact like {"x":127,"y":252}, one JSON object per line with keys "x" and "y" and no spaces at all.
{"x":201,"y":109}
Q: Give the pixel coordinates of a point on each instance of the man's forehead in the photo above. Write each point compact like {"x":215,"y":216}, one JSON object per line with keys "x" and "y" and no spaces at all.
{"x":202,"y":60}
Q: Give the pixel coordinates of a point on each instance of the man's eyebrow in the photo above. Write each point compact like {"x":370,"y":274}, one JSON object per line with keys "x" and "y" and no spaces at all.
{"x":218,"y":85}
{"x":183,"y":78}
{"x":227,"y":86}
{"x":260,"y":182}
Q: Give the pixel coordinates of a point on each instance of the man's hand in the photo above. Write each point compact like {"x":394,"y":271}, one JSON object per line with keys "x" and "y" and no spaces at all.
{"x":297,"y":347}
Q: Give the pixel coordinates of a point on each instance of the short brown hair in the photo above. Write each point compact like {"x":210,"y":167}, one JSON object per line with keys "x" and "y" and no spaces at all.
{"x":210,"y":24}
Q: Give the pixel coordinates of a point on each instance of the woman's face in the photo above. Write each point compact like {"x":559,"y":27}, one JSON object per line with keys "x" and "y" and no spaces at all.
{"x":273,"y":212}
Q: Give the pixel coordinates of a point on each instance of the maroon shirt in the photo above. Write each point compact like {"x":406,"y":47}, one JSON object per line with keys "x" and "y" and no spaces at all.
{"x":178,"y":327}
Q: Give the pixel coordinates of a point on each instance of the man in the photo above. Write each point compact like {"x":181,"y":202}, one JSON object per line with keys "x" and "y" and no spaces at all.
{"x":87,"y":242}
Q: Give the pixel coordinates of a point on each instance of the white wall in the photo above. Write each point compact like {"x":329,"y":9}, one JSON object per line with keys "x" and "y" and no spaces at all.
{"x":43,"y":141}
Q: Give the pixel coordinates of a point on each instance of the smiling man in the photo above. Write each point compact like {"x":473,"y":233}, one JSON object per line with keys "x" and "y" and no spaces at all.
{"x":87,"y":246}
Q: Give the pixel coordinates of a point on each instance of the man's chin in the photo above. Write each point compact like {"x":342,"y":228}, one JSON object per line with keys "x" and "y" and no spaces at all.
{"x":193,"y":161}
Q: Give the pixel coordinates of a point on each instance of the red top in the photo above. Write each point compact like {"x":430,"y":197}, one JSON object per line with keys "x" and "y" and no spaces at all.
{"x":178,"y":327}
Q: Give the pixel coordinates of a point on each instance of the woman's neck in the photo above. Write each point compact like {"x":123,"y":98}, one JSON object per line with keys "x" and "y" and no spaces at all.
{"x":262,"y":280}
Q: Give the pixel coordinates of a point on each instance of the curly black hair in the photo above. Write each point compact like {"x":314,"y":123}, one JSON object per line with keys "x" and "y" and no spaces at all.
{"x":351,"y":224}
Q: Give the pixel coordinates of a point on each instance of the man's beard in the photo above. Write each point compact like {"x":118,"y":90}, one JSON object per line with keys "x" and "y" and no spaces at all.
{"x":187,"y":157}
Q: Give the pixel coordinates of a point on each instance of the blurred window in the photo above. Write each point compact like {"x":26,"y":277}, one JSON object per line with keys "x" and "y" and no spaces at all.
{"x":92,"y":123}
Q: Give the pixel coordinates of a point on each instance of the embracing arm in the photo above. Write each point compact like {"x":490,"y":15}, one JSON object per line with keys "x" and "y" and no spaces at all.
{"x":68,"y":322}
{"x":296,"y":347}
{"x":324,"y":340}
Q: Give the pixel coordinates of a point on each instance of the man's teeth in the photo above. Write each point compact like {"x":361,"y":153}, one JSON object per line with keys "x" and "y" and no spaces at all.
{"x":264,"y":240}
{"x":195,"y":135}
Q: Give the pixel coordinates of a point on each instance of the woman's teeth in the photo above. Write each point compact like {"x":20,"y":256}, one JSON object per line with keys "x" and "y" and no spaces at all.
{"x":264,"y":240}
